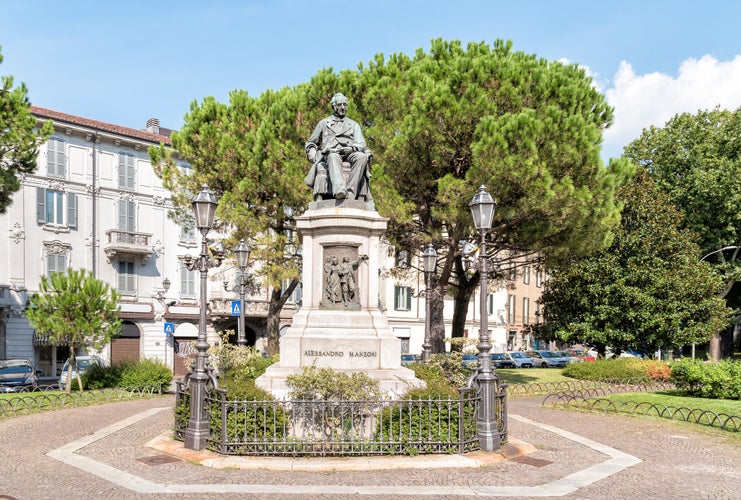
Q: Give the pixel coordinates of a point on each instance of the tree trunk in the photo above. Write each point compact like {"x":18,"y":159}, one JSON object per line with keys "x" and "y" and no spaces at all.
{"x":278,"y":298}
{"x":461,"y":300}
{"x":437,"y":323}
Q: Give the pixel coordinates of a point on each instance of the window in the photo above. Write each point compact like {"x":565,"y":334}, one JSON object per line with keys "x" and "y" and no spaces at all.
{"x":512,"y":272}
{"x":187,"y":282}
{"x":402,"y":298}
{"x":56,"y":161}
{"x":526,"y":275}
{"x":126,"y":277}
{"x":403,"y":259}
{"x":188,"y":232}
{"x":55,"y":263}
{"x":126,"y":215}
{"x":511,"y":309}
{"x":126,"y":171}
{"x":538,"y":278}
{"x":525,"y":310}
{"x":490,"y":304}
{"x":53,"y":206}
{"x":295,"y":296}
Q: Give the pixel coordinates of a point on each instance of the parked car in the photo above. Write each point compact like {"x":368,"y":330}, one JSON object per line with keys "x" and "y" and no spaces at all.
{"x":409,"y":359}
{"x":547,"y":359}
{"x":570,"y":356}
{"x":501,"y":360}
{"x":470,"y":360}
{"x":521,"y":359}
{"x":84,"y":363}
{"x":18,"y":375}
{"x":581,"y":354}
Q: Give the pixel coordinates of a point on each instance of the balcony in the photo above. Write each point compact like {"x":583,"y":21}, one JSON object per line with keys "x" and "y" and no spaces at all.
{"x":128,"y":243}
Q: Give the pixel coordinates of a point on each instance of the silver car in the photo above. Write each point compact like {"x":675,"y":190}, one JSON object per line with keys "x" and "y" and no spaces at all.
{"x":521,"y":359}
{"x":84,"y":363}
{"x":547,"y":359}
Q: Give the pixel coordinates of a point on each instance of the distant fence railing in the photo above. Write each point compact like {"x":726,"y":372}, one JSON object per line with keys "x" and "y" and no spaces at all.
{"x":341,"y":428}
{"x":36,"y":401}
{"x":696,"y":416}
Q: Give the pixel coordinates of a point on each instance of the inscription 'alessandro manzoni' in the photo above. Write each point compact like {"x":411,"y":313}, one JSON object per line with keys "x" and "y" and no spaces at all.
{"x":340,"y":354}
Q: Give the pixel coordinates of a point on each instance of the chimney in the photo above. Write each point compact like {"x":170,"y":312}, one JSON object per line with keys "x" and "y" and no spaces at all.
{"x":153,"y":125}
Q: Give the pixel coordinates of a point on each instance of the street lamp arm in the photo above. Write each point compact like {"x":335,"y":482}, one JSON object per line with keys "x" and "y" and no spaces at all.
{"x":729,"y":247}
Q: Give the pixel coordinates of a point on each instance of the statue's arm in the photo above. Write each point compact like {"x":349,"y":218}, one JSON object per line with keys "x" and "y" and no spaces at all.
{"x":312,"y":145}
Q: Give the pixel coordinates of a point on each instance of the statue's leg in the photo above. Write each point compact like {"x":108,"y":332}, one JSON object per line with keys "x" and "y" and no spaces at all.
{"x":334,"y":168}
{"x":359,"y":163}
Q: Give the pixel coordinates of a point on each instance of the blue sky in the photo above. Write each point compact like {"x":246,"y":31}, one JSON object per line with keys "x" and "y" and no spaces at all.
{"x":126,"y":62}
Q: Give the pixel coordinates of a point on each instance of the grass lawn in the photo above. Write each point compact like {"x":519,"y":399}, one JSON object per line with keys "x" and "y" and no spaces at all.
{"x":531,"y":375}
{"x":675,"y":399}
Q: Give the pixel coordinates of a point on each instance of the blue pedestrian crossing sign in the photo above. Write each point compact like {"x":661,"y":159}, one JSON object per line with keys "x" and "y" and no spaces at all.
{"x":169,"y":328}
{"x":235,"y":307}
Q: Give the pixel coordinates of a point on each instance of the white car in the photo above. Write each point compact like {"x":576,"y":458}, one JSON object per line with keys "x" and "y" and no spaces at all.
{"x":84,"y":363}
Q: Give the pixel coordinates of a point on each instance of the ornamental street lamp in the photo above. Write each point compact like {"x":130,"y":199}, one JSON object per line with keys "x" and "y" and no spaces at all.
{"x":482,"y":209}
{"x":429,"y":261}
{"x":204,"y":206}
{"x":242,"y":252}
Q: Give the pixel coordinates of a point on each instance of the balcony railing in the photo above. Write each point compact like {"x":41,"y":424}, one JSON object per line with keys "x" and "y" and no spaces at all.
{"x":128,"y":243}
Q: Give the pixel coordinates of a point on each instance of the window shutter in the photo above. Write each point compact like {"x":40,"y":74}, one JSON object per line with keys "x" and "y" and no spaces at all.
{"x":51,"y":157}
{"x":61,"y":160}
{"x":121,"y":170}
{"x":41,"y":205}
{"x":409,"y":299}
{"x":72,"y":210}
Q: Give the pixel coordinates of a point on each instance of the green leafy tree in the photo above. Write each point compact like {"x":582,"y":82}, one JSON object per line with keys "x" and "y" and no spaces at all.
{"x":77,"y":309}
{"x":443,"y":122}
{"x":440,"y":124}
{"x":19,"y":139}
{"x":696,"y":160}
{"x":646,"y":290}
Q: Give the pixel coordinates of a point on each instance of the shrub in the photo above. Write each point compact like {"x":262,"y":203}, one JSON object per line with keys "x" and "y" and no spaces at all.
{"x":619,"y":369}
{"x":720,"y":380}
{"x":249,"y":414}
{"x":100,"y":377}
{"x":146,"y":373}
{"x":452,"y":368}
{"x":325,"y":384}
{"x":248,"y":361}
{"x":435,"y":422}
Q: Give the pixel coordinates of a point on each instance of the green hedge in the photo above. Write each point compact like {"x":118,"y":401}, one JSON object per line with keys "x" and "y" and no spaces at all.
{"x":721,"y":380}
{"x":634,"y":370}
{"x":142,"y":373}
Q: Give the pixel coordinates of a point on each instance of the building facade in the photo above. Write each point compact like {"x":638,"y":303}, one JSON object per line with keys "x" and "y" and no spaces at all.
{"x":95,"y":202}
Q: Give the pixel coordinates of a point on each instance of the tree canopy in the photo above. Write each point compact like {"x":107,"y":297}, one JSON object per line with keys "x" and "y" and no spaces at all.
{"x":76,"y":309}
{"x":19,"y":139}
{"x":440,"y":124}
{"x":696,"y":160}
{"x":444,"y":122}
{"x":646,"y":290}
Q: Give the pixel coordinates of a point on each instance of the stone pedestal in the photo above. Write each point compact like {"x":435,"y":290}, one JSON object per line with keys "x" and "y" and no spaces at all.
{"x":339,"y":325}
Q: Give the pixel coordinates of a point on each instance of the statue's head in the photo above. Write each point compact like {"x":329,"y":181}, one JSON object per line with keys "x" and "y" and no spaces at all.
{"x":339,"y":104}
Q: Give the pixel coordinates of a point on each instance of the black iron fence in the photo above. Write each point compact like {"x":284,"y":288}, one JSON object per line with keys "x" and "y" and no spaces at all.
{"x":341,"y":428}
{"x":52,"y":399}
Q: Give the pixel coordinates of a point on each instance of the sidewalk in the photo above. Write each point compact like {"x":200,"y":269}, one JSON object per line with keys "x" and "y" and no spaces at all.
{"x":116,"y":451}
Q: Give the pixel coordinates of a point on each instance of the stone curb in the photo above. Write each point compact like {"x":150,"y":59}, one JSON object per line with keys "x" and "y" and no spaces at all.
{"x":166,"y":444}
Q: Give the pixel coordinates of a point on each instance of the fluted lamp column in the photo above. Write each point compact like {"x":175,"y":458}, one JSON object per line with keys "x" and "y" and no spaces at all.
{"x":429,"y":261}
{"x":482,"y":209}
{"x":197,"y":432}
{"x":242,"y":252}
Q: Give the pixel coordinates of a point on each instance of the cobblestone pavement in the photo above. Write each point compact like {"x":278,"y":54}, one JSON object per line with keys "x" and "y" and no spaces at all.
{"x":677,"y":461}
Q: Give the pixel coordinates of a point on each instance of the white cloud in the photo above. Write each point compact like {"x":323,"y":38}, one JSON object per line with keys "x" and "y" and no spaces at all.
{"x":652,"y":99}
